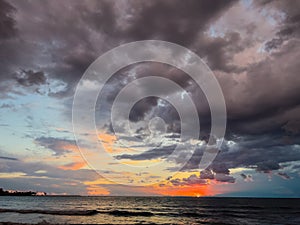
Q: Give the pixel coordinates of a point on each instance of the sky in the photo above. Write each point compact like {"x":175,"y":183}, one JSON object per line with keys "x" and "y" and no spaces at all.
{"x":251,"y":47}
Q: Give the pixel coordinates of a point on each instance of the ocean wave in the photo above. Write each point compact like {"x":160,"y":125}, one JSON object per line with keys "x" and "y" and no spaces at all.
{"x":136,"y":213}
{"x":52,"y":212}
{"x":78,"y":212}
{"x":128,"y":213}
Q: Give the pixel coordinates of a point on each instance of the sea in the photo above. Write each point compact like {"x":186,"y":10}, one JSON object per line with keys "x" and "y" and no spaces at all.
{"x":148,"y":210}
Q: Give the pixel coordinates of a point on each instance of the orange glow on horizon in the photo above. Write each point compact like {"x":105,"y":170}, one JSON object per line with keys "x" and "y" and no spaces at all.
{"x":193,"y":191}
{"x":96,"y":190}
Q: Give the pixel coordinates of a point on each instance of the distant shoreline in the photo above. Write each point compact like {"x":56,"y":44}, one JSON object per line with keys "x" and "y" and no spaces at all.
{"x":20,"y":193}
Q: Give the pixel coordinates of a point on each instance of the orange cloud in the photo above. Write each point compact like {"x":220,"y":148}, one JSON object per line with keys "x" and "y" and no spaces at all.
{"x":73,"y":166}
{"x":109,"y":143}
{"x":96,"y":190}
{"x":72,"y":159}
{"x":141,"y":162}
{"x":69,"y":147}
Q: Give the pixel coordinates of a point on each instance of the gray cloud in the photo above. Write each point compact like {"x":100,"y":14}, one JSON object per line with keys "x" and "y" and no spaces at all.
{"x":33,"y":168}
{"x":7,"y":158}
{"x":90,"y":28}
{"x":224,"y":178}
{"x":29,"y":78}
{"x":246,"y":177}
{"x":207,"y":174}
{"x":262,"y":153}
{"x":289,"y":28}
{"x":57,"y":180}
{"x":155,"y":153}
{"x":57,"y":145}
{"x":267,"y":166}
{"x":7,"y":24}
{"x":191,"y":180}
{"x":202,"y":179}
{"x":182,"y":21}
{"x":284,"y":175}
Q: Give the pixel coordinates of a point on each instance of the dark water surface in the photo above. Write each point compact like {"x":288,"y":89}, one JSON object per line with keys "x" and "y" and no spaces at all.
{"x":149,"y":210}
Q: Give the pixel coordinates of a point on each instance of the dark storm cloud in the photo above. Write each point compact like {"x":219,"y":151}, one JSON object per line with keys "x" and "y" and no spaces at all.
{"x":146,"y":105}
{"x":155,"y":153}
{"x":71,"y":35}
{"x":141,"y":108}
{"x":265,"y":154}
{"x":58,"y":41}
{"x":7,"y":22}
{"x":164,"y":110}
{"x":7,"y":31}
{"x":184,"y":23}
{"x":29,"y":78}
{"x":262,"y":153}
{"x":174,"y":21}
{"x":258,"y":109}
{"x":290,"y":27}
{"x":219,"y":51}
{"x":253,"y":107}
{"x":220,"y":168}
{"x":89,"y":29}
{"x":253,"y":111}
{"x":267,"y":166}
{"x":261,"y":108}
